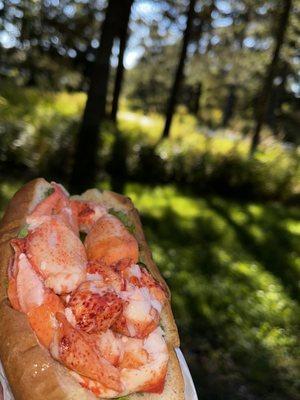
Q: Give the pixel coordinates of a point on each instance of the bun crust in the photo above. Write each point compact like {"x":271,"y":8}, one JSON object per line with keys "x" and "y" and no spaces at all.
{"x":32,"y":373}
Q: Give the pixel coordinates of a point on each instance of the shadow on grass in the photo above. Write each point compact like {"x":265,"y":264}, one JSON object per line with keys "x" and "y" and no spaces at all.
{"x":274,"y":247}
{"x":233,"y":285}
{"x":8,"y":187}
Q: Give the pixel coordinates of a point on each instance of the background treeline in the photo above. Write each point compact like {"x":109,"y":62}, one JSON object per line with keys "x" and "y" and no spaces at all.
{"x":53,"y":44}
{"x":226,"y":69}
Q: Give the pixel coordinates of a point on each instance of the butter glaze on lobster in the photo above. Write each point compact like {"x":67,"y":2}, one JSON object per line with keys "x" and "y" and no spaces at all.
{"x":91,"y":306}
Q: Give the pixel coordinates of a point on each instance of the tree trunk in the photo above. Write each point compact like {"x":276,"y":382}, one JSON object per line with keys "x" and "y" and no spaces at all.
{"x":264,"y":97}
{"x":271,"y":109}
{"x":195,"y":106}
{"x":30,"y":65}
{"x":229,"y":106}
{"x":180,"y":69}
{"x":123,"y":36}
{"x":32,"y":81}
{"x":88,"y":140}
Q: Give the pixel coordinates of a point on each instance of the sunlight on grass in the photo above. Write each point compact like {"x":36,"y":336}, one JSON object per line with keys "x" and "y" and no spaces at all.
{"x":255,"y":210}
{"x":69,"y":104}
{"x":228,"y":295}
{"x":32,"y":103}
{"x":293,"y":226}
{"x":7,"y":190}
{"x":257,"y":232}
{"x":138,"y":125}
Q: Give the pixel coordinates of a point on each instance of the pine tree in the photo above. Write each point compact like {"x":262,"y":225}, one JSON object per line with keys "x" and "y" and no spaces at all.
{"x":264,"y":97}
{"x":180,"y":70}
{"x":123,"y":37}
{"x":85,"y":161}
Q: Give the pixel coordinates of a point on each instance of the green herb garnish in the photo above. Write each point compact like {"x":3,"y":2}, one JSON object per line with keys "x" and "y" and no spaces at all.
{"x":23,"y":232}
{"x":82,"y":236}
{"x":141,"y":264}
{"x":123,"y":218}
{"x":48,"y":192}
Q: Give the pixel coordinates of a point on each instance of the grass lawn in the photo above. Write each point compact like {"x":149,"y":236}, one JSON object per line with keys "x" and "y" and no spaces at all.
{"x":234,"y":270}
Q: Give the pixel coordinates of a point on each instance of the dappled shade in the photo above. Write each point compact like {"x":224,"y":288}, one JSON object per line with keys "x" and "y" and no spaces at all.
{"x":233,"y":269}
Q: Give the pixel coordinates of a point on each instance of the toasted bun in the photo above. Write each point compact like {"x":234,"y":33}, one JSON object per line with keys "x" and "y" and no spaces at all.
{"x":32,"y":373}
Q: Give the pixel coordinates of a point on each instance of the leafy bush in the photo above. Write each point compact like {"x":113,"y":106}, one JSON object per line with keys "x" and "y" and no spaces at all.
{"x":37,"y":130}
{"x":37,"y":134}
{"x":210,"y":161}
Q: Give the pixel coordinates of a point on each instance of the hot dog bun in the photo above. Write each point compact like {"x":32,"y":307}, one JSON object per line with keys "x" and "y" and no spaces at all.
{"x":32,"y":373}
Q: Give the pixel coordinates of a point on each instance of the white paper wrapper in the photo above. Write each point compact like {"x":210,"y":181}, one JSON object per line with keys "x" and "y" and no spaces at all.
{"x":6,"y":389}
{"x":190,"y":392}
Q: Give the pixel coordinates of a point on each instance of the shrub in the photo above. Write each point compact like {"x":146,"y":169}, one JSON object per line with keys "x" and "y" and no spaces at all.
{"x":37,"y":134}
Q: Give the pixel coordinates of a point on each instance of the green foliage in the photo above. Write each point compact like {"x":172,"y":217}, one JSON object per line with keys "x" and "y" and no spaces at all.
{"x":207,"y":160}
{"x":53,"y":46}
{"x":37,"y":128}
{"x":48,"y":44}
{"x":23,"y":232}
{"x":37,"y":133}
{"x":49,"y":192}
{"x":8,"y":188}
{"x":123,"y":218}
{"x":230,"y":49}
{"x":233,"y":270}
{"x":148,"y":84}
